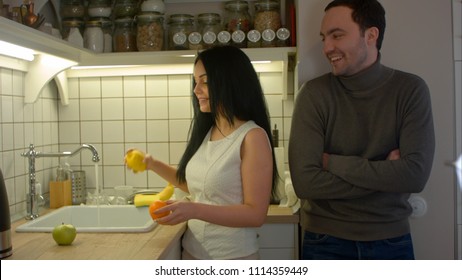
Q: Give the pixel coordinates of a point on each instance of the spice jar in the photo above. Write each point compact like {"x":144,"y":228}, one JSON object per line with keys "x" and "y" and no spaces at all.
{"x":93,"y":37}
{"x":150,"y":32}
{"x":125,"y":8}
{"x":283,"y":35}
{"x":253,"y":39}
{"x":237,"y":16}
{"x":209,"y":27}
{"x":195,"y":41}
{"x":238,"y":39}
{"x":268,"y":38}
{"x":180,"y":26}
{"x":124,"y":36}
{"x":100,"y":8}
{"x":156,"y":6}
{"x":267,"y":15}
{"x":223,"y":38}
{"x":72,"y":9}
{"x":72,"y":32}
{"x":107,"y":27}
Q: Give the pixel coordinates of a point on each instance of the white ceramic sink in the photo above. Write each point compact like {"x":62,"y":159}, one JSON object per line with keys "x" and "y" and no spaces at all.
{"x":93,"y":218}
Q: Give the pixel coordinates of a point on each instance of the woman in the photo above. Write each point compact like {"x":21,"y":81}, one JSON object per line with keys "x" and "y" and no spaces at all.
{"x":228,"y":167}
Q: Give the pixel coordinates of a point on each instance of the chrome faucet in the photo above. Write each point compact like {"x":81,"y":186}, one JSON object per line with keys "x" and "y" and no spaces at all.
{"x":32,"y":154}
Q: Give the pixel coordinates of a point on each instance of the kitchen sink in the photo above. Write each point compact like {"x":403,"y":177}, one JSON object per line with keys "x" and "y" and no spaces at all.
{"x":93,"y":218}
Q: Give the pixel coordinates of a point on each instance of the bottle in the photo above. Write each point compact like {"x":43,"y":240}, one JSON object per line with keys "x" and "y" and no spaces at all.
{"x":72,"y":31}
{"x":108,"y":27}
{"x":275,"y":135}
{"x":93,"y":36}
{"x":124,"y":36}
{"x":180,"y":26}
{"x":150,"y":31}
{"x":209,"y":27}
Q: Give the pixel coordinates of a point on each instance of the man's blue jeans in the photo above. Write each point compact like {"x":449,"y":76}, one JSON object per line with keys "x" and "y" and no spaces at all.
{"x":325,"y":247}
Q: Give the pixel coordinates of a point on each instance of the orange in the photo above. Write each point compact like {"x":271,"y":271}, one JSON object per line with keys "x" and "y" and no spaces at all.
{"x":134,"y":160}
{"x":156,"y":205}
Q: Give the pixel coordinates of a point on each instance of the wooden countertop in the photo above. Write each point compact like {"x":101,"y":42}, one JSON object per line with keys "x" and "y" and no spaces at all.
{"x":155,"y":244}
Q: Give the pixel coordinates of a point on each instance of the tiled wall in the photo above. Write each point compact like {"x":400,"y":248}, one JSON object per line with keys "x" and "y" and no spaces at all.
{"x":152,"y":113}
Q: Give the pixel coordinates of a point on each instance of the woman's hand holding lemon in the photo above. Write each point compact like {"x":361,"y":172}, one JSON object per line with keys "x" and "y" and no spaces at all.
{"x":135,"y":160}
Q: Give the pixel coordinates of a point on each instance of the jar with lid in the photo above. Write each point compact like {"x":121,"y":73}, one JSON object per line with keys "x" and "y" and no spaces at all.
{"x":150,"y":31}
{"x":253,"y":39}
{"x":99,"y":8}
{"x":125,"y":8}
{"x":156,"y":6}
{"x":124,"y":36}
{"x":72,"y":9}
{"x":239,"y":39}
{"x":223,"y":38}
{"x":107,"y":27}
{"x":209,"y":27}
{"x":72,"y":31}
{"x":180,"y":26}
{"x":237,"y":16}
{"x":93,"y":37}
{"x":195,"y":41}
{"x":268,"y":37}
{"x":283,"y":35}
{"x":267,"y":15}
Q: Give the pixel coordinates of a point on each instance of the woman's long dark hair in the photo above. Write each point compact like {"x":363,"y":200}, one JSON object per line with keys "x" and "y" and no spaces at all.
{"x":235,"y":92}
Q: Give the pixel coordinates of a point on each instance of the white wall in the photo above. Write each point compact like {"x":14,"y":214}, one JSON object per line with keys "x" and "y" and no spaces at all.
{"x":418,"y":39}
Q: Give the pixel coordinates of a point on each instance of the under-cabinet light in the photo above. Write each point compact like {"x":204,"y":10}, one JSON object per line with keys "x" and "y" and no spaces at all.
{"x":16,"y":51}
{"x":261,"y":62}
{"x":103,"y":67}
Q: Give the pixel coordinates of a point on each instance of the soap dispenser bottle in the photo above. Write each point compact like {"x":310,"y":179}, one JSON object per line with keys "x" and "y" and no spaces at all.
{"x":6,"y":248}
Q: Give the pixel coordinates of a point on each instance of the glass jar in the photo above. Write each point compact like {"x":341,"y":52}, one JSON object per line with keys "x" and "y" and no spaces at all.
{"x":283,"y":35}
{"x":239,"y":39}
{"x":93,"y":36}
{"x":156,"y":6}
{"x":268,"y":37}
{"x":100,"y":8}
{"x":267,"y":15}
{"x":253,"y":39}
{"x":237,"y":16}
{"x":150,"y":32}
{"x":180,"y":26}
{"x":72,"y":31}
{"x":223,"y":38}
{"x":209,"y":27}
{"x":195,"y":41}
{"x":72,"y":9}
{"x":124,"y":36}
{"x":107,"y":27}
{"x":125,"y":8}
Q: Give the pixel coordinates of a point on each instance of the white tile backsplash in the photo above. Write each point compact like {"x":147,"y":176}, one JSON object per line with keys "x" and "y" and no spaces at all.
{"x":152,"y":113}
{"x":112,"y":109}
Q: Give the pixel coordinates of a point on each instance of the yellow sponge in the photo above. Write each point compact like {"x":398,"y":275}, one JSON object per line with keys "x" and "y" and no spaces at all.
{"x":145,"y":199}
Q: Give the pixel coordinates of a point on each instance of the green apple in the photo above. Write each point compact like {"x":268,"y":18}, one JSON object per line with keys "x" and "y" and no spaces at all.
{"x":64,"y":234}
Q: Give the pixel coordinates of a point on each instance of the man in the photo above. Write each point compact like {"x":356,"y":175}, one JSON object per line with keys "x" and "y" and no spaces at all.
{"x":361,"y":142}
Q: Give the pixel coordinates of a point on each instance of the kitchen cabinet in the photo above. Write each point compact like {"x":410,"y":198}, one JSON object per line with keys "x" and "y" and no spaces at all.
{"x":279,"y":236}
{"x":55,"y":57}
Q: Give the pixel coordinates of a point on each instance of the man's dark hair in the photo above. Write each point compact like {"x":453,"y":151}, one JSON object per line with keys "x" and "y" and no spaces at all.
{"x":366,"y":13}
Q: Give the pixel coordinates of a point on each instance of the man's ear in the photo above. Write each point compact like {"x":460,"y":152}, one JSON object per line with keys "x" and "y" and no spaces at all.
{"x":372,"y":35}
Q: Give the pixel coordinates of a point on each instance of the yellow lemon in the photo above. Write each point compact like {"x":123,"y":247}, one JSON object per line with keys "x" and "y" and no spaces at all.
{"x":134,"y":160}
